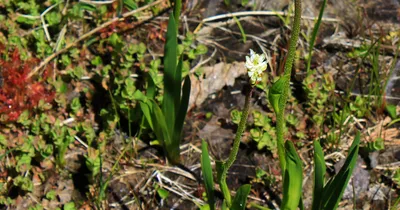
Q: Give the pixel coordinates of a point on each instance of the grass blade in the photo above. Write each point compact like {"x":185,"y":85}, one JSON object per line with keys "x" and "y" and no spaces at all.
{"x":178,"y":87}
{"x":161,"y":130}
{"x":293,"y":179}
{"x":146,"y":109}
{"x":319,"y":175}
{"x":170,"y":61}
{"x":241,"y":29}
{"x":333,"y":191}
{"x":207,"y":174}
{"x":239,"y":202}
{"x":314,"y":35}
{"x":184,"y":103}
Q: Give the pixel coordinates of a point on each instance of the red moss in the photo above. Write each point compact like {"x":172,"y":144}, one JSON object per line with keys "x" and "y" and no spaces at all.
{"x":18,"y":92}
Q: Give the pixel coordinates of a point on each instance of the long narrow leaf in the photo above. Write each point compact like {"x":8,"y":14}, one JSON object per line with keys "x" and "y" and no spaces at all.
{"x":161,"y":130}
{"x":239,"y":202}
{"x":334,"y":189}
{"x":319,"y":175}
{"x":181,"y":113}
{"x":314,"y":34}
{"x":207,"y":174}
{"x":178,"y":86}
{"x":170,"y":61}
{"x":146,"y":109}
{"x":292,"y":184}
{"x":151,"y":88}
{"x":177,"y":11}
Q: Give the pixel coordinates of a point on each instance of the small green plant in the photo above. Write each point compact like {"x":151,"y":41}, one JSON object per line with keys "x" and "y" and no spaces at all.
{"x":255,"y":65}
{"x":326,"y":196}
{"x":167,"y":121}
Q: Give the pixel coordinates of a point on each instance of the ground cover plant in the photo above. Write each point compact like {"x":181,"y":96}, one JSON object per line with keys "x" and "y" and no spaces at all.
{"x":152,"y":104}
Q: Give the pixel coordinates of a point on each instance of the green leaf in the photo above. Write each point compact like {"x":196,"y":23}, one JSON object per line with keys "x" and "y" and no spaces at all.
{"x":75,"y":105}
{"x":207,"y":175}
{"x":200,"y":49}
{"x":3,"y":141}
{"x":293,"y":178}
{"x":205,"y":207}
{"x":51,"y":195}
{"x":86,"y":6}
{"x":130,"y":4}
{"x":319,"y":175}
{"x":239,"y":202}
{"x":163,"y":193}
{"x":335,"y":187}
{"x":178,"y":88}
{"x":180,"y":118}
{"x":170,"y":83}
{"x":391,"y":109}
{"x":376,"y":145}
{"x":151,"y":88}
{"x":235,"y":116}
{"x":276,"y":91}
{"x":53,"y":18}
{"x":69,"y":206}
{"x":25,"y":183}
{"x":23,"y":163}
{"x":146,"y":109}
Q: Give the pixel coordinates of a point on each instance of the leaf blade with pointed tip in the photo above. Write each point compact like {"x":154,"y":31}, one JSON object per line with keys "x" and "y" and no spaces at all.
{"x":319,"y":175}
{"x":276,"y":91}
{"x":207,"y":175}
{"x":334,"y":189}
{"x":170,"y":62}
{"x":240,"y":199}
{"x":293,"y":178}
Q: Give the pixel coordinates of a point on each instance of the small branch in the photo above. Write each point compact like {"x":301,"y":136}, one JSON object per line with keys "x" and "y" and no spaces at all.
{"x":87,"y":35}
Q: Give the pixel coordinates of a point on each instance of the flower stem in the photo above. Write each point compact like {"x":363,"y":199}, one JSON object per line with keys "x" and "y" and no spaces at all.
{"x":280,"y":116}
{"x":235,"y":147}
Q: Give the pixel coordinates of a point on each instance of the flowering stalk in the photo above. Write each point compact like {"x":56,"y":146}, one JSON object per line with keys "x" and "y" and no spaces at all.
{"x":280,"y":111}
{"x":255,"y":65}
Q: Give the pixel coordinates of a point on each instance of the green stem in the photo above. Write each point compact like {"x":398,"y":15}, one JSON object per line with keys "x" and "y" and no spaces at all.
{"x":235,"y":147}
{"x":280,"y":116}
{"x":314,"y":34}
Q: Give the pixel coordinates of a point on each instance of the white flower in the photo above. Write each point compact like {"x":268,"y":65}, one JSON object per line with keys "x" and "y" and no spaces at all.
{"x":255,"y":65}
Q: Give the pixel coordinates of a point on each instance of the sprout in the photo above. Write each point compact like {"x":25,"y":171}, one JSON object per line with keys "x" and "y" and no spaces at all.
{"x":255,"y":65}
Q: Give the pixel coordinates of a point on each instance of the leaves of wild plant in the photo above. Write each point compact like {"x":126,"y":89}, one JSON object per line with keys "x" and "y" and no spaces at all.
{"x":220,"y":167}
{"x":276,"y":91}
{"x":146,"y":109}
{"x":156,"y":120}
{"x":319,"y":175}
{"x":391,"y":109}
{"x":184,"y":103}
{"x":293,"y":178}
{"x":170,"y":62}
{"x":334,"y":189}
{"x":177,"y":11}
{"x":239,"y":202}
{"x":207,"y":175}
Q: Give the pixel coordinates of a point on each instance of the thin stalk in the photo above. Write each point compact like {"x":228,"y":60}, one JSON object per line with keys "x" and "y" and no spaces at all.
{"x":280,"y":116}
{"x":241,"y":29}
{"x":235,"y":147}
{"x":314,"y":34}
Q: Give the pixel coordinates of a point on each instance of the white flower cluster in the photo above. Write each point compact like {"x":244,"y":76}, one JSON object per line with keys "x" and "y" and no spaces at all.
{"x":255,"y":65}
